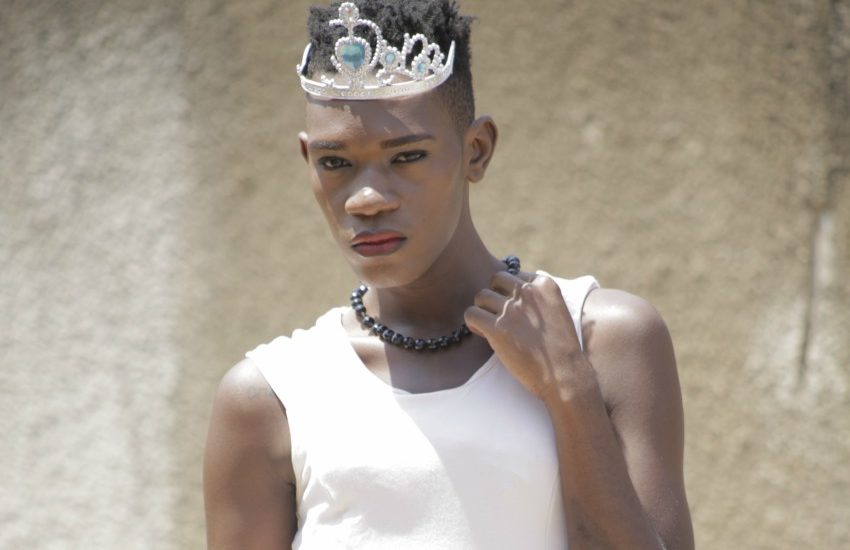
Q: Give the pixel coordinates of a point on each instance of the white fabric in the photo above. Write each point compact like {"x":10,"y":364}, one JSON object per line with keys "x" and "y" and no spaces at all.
{"x":379,"y":468}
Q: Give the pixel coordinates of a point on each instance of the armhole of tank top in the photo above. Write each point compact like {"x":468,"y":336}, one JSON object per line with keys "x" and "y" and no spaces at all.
{"x":272,"y":362}
{"x":592,"y":284}
{"x":276,"y":363}
{"x":574,"y":293}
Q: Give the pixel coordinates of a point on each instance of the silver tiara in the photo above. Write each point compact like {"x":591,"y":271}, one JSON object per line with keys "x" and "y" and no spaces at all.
{"x":357,"y":77}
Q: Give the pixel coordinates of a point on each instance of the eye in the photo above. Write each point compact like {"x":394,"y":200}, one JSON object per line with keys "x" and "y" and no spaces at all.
{"x":409,"y":156}
{"x":333,"y":163}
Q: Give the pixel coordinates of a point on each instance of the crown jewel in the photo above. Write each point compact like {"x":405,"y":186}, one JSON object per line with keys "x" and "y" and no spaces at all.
{"x":358,"y":75}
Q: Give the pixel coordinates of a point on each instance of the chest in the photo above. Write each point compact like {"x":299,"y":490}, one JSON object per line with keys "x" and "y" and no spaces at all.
{"x":422,"y":372}
{"x":486,"y":447}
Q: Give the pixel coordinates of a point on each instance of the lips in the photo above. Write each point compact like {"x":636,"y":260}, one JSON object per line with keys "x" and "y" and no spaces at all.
{"x":378,"y":243}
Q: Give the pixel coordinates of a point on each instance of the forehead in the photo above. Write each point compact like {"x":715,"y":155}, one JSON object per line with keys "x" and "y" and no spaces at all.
{"x":377,"y":119}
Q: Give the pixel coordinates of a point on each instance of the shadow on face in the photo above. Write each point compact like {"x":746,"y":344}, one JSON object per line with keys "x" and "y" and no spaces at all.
{"x":375,"y":121}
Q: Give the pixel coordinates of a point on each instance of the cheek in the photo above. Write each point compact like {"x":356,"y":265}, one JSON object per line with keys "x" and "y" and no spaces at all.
{"x":446,"y":204}
{"x":450,"y":173}
{"x":325,"y":194}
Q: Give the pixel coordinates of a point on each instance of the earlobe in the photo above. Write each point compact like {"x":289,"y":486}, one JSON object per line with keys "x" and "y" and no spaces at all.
{"x":481,"y":140}
{"x":302,"y":141}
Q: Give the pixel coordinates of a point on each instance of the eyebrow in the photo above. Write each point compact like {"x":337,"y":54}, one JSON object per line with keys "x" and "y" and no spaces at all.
{"x":326,"y":145}
{"x":405,"y":140}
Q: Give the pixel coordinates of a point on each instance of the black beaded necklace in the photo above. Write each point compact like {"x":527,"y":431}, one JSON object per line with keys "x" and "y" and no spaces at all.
{"x":416,"y":344}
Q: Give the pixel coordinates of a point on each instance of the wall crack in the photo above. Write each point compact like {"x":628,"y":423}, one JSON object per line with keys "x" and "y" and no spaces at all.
{"x":822,"y":244}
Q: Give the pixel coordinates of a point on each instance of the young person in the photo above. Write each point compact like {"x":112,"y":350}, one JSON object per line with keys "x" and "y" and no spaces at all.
{"x":458,"y":402}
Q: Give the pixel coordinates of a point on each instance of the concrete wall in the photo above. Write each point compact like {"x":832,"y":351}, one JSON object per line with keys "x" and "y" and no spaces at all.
{"x":155,"y":223}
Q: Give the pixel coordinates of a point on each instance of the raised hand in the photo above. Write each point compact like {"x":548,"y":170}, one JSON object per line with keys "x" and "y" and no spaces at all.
{"x":526,"y":322}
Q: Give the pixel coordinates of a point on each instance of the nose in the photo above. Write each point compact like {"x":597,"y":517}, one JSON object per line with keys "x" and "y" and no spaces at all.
{"x":370,"y":200}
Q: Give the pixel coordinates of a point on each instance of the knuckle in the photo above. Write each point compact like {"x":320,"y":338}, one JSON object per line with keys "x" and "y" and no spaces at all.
{"x":546,"y":283}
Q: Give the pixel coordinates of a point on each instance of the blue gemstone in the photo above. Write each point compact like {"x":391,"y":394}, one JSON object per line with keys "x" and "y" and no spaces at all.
{"x":353,"y":55}
{"x":421,"y":67}
{"x":389,"y":58}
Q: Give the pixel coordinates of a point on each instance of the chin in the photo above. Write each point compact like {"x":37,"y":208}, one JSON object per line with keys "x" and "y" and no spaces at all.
{"x":382,"y":274}
{"x":392,"y":270}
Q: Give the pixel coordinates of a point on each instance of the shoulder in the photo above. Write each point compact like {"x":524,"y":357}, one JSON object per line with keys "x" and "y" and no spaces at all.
{"x":245,"y":398}
{"x":248,"y":421}
{"x":628,"y":343}
{"x":248,"y":478}
{"x":617,"y":314}
{"x":289,"y":366}
{"x":630,"y":349}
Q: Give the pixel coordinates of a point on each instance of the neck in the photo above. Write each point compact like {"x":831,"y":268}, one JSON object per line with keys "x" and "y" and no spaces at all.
{"x":434,"y":303}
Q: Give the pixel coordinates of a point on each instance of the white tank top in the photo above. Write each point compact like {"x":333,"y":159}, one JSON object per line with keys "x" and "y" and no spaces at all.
{"x":376,"y":467}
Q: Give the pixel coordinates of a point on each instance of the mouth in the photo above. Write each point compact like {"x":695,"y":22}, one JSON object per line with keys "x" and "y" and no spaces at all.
{"x":379,"y":243}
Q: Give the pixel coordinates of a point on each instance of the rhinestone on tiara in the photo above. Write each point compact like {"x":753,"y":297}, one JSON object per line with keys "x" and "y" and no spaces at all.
{"x":364,"y":74}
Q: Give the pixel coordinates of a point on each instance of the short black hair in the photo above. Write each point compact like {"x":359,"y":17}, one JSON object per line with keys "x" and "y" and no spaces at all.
{"x":439,"y":20}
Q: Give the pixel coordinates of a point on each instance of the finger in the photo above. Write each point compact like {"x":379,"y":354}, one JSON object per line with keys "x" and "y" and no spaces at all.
{"x":490,"y":300}
{"x":505,"y":283}
{"x":479,"y":321}
{"x":527,"y":277}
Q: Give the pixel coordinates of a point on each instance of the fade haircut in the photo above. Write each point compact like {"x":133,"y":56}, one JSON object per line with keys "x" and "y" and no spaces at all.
{"x":439,"y":20}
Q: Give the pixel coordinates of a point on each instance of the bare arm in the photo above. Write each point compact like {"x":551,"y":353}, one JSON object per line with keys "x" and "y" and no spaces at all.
{"x":616,"y":408}
{"x":249,"y":491}
{"x":620,"y":441}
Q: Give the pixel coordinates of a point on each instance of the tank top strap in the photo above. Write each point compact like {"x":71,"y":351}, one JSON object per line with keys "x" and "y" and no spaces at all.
{"x":275,"y":362}
{"x":295,"y":366}
{"x":575,"y":293}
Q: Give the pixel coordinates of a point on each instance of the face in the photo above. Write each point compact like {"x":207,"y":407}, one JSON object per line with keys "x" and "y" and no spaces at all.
{"x":391,"y":179}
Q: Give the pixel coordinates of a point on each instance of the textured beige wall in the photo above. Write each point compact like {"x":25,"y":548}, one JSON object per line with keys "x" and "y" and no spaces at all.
{"x":155,"y":223}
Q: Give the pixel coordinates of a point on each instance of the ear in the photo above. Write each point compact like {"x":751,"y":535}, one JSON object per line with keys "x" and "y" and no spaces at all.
{"x":480,"y":143}
{"x":302,"y":140}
